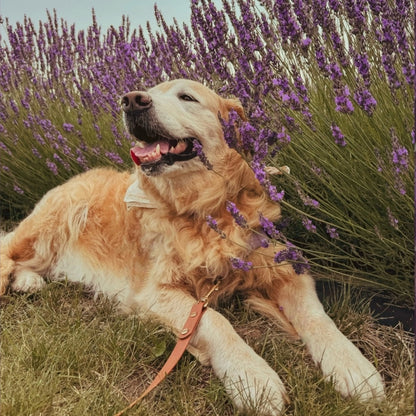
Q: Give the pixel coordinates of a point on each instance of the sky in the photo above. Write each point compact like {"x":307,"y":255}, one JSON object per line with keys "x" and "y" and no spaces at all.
{"x":108,"y":12}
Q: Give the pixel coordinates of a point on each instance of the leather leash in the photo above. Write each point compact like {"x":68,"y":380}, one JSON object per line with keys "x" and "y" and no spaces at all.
{"x":184,"y":338}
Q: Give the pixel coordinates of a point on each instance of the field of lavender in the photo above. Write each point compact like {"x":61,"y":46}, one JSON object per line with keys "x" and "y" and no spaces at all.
{"x":327,"y":86}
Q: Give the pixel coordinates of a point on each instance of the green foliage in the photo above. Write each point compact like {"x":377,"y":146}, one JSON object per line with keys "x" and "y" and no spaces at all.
{"x":359,"y":193}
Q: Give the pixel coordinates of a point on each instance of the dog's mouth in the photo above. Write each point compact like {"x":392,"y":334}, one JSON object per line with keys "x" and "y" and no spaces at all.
{"x":162,"y":151}
{"x":155,"y":147}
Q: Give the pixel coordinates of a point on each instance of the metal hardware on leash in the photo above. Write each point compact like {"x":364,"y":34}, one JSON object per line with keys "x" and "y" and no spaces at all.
{"x":184,"y":338}
{"x":208,"y":295}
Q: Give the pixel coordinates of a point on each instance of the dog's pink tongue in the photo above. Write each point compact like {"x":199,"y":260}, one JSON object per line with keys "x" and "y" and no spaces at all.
{"x":143,"y":154}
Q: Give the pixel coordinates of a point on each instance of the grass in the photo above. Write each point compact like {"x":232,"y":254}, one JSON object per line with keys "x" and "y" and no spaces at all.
{"x":64,"y":353}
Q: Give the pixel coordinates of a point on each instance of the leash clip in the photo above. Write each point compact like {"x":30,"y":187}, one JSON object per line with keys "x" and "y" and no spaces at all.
{"x":208,"y":295}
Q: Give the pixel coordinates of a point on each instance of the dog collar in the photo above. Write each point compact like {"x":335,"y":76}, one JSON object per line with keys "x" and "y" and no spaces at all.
{"x":136,"y":197}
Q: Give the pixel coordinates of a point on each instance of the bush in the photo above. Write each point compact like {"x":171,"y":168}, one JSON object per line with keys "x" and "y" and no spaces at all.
{"x":328,"y":88}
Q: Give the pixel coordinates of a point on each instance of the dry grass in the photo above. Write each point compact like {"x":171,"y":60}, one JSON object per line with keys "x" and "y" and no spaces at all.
{"x":64,"y":353}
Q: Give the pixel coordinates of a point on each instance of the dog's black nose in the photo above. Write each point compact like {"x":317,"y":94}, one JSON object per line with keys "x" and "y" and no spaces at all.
{"x":136,"y":100}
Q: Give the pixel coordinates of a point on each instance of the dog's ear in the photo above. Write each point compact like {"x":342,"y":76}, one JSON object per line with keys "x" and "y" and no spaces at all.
{"x":232,"y":104}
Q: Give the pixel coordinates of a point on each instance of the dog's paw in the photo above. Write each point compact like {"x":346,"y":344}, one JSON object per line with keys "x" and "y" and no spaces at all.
{"x":351,"y":373}
{"x":253,"y":385}
{"x":27,"y":281}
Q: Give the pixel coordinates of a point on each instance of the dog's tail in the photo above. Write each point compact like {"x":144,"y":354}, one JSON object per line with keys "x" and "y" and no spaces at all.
{"x":7,"y":264}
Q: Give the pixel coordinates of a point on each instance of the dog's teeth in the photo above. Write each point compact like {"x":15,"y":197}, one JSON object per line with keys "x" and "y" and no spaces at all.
{"x":157,"y":151}
{"x":179,"y":148}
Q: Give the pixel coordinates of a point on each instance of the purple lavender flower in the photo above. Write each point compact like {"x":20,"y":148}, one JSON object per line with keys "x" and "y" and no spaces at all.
{"x":68,"y":127}
{"x":363,"y":66}
{"x":212,"y":223}
{"x":289,"y":28}
{"x":342,"y":102}
{"x":18,"y":190}
{"x":241,"y":264}
{"x":261,"y":175}
{"x":259,"y":171}
{"x":394,"y":222}
{"x":300,"y":86}
{"x":305,"y":43}
{"x":229,"y":128}
{"x":62,"y":162}
{"x":235,"y":213}
{"x":285,"y":255}
{"x":36,"y":153}
{"x":321,"y":59}
{"x":261,"y":143}
{"x":334,"y":5}
{"x":294,"y":256}
{"x":339,"y":137}
{"x":342,"y":92}
{"x":400,"y":158}
{"x":198,"y":149}
{"x":14,"y":106}
{"x":400,"y":162}
{"x":52,"y":167}
{"x":375,"y":6}
{"x":82,"y":161}
{"x":356,"y":13}
{"x":309,"y":225}
{"x":302,"y":11}
{"x":39,"y":139}
{"x":46,"y":124}
{"x":335,"y":71}
{"x":258,"y":239}
{"x":387,"y":60}
{"x":25,"y":104}
{"x":115,"y":157}
{"x":307,"y":200}
{"x":365,"y":100}
{"x":5,"y":148}
{"x":274,"y":194}
{"x":268,"y":227}
{"x":332,"y":232}
{"x":248,"y":135}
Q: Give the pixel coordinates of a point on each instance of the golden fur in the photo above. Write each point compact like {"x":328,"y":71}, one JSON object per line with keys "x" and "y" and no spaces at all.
{"x":159,"y":260}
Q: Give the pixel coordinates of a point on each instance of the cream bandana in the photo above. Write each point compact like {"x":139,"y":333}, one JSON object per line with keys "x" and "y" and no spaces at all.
{"x":136,"y":197}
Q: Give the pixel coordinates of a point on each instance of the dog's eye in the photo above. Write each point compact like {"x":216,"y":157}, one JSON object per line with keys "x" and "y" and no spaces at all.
{"x":187,"y":97}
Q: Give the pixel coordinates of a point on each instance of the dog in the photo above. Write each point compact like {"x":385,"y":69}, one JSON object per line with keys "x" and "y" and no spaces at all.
{"x":143,"y":239}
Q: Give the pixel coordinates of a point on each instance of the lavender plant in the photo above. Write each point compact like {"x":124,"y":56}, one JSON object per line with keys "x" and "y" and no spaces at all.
{"x":328,"y":89}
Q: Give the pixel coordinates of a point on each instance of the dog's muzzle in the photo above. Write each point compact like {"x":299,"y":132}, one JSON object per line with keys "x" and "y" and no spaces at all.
{"x":155,"y":147}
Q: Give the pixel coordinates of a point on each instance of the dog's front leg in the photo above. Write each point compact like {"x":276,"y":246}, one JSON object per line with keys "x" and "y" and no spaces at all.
{"x":248,"y":379}
{"x":339,"y":359}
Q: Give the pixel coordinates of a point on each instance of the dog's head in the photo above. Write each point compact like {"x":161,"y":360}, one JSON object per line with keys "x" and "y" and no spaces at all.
{"x":168,"y":119}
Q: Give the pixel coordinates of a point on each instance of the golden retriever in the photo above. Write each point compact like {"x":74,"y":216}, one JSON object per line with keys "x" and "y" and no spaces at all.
{"x":143,"y":239}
